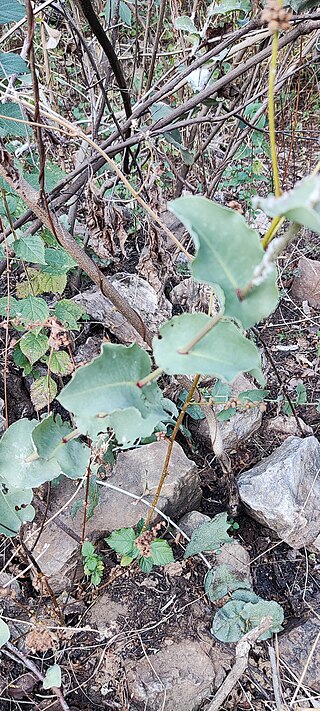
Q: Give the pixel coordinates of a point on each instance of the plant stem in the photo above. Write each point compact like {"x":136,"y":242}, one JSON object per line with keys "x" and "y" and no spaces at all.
{"x":149,"y":378}
{"x":273,"y":149}
{"x":169,"y":450}
{"x":272,"y":231}
{"x":199,"y":336}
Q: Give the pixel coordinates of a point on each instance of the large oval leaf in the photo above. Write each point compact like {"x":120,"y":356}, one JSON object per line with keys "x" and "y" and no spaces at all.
{"x":224,"y":352}
{"x":16,"y":448}
{"x":227,"y":253}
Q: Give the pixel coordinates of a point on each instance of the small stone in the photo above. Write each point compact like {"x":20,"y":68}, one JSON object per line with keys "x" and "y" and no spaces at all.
{"x":239,"y":428}
{"x":191,"y":521}
{"x":294,"y":649}
{"x":136,"y":471}
{"x":306,"y":285}
{"x":283,"y":491}
{"x":285,"y":425}
{"x":182,"y":675}
{"x":108,"y":616}
{"x":89,"y":350}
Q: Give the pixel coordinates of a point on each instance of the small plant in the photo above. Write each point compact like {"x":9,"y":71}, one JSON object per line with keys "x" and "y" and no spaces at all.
{"x":92,"y":563}
{"x":142,"y":546}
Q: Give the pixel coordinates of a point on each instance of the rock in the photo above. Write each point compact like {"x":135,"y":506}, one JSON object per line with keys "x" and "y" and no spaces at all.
{"x":306,"y":285}
{"x":139,"y":294}
{"x":191,"y":296}
{"x":89,"y":350}
{"x":283,"y":491}
{"x":232,"y":554}
{"x":108,"y":616}
{"x":284,"y":425}
{"x":137,"y":471}
{"x":178,"y":678}
{"x":240,"y":426}
{"x":294,"y":649}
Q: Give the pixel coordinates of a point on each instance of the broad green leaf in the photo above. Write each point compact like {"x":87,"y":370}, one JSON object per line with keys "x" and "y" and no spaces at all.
{"x":11,"y":63}
{"x":57,"y":261}
{"x":221,"y":392}
{"x":39,"y":283}
{"x":245,"y":596}
{"x":11,"y":11}
{"x":30,"y":248}
{"x":301,"y":204}
{"x":21,"y":361}
{"x":225,"y":415}
{"x":223,"y":580}
{"x":126,"y":560}
{"x":13,"y":304}
{"x":146,"y":564}
{"x":69,"y":312}
{"x":122,"y":541}
{"x":125,"y":13}
{"x":253,"y":395}
{"x":87,"y":549}
{"x":185,"y":24}
{"x":4,"y":633}
{"x":16,"y":448}
{"x":34,"y":345}
{"x":228,"y":625}
{"x":227,"y":252}
{"x":253,"y":613}
{"x":59,"y":362}
{"x":161,"y":552}
{"x":72,"y":456}
{"x":52,"y":677}
{"x":9,"y":126}
{"x":212,"y":355}
{"x":108,"y":383}
{"x":32,"y":310}
{"x":209,"y":536}
{"x":230,"y":6}
{"x":42,"y":392}
{"x":15,"y":507}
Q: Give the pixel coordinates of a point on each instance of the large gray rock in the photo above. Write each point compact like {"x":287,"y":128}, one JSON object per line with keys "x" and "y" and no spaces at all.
{"x":136,"y":471}
{"x":283,"y":492}
{"x":294,"y":649}
{"x":178,"y":678}
{"x":239,"y":428}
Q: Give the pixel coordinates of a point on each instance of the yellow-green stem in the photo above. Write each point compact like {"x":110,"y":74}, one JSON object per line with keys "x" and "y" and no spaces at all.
{"x":273,"y":149}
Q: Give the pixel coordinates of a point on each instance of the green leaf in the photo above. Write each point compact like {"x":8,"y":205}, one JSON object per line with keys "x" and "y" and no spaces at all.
{"x":227,"y":625}
{"x":15,"y":507}
{"x":213,"y":355}
{"x":16,"y":447}
{"x":11,"y":11}
{"x":59,"y":362}
{"x":42,"y":392}
{"x":221,"y":392}
{"x":11,"y":63}
{"x":30,"y":248}
{"x":125,"y":13}
{"x":4,"y":306}
{"x":9,"y":126}
{"x":225,"y":415}
{"x":230,"y":6}
{"x":227,"y":252}
{"x":209,"y":536}
{"x":122,"y":541}
{"x":245,"y":596}
{"x":126,"y":560}
{"x":52,"y":677}
{"x":21,"y":361}
{"x":108,"y":383}
{"x":223,"y":580}
{"x":72,"y":456}
{"x":254,"y":395}
{"x":301,"y":204}
{"x":34,"y":345}
{"x":39,"y":283}
{"x":253,"y":614}
{"x":4,"y":633}
{"x":57,"y":261}
{"x":146,"y":564}
{"x":68,"y":313}
{"x":301,"y":394}
{"x":32,"y":310}
{"x":161,"y":552}
{"x":87,"y":549}
{"x":185,"y":24}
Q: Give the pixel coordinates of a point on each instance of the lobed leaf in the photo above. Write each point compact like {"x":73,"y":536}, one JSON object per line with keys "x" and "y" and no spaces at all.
{"x":209,"y":536}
